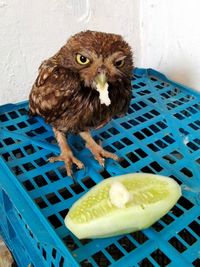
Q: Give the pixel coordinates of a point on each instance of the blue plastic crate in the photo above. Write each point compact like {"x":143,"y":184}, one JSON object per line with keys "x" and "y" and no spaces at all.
{"x":160,"y":134}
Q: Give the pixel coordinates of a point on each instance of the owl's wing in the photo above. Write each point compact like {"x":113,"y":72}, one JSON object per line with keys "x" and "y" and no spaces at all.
{"x":53,"y":98}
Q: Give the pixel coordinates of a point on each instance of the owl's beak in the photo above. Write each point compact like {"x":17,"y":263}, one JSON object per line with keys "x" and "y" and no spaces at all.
{"x":101,"y":80}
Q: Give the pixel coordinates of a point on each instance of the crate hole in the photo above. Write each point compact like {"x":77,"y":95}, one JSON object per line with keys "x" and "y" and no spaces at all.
{"x":141,"y":153}
{"x":177,"y":154}
{"x":54,"y":252}
{"x":53,"y":219}
{"x":157,"y":227}
{"x":177,"y":244}
{"x":17,"y":170}
{"x":156,"y":166}
{"x":168,"y":139}
{"x":133,"y":122}
{"x":51,"y":140}
{"x":118,"y":145}
{"x":169,"y":159}
{"x":145,"y":263}
{"x":196,"y":263}
{"x":152,"y":99}
{"x":88,"y":182}
{"x":110,"y":149}
{"x":132,"y":157}
{"x":187,"y":236}
{"x":30,"y":133}
{"x":22,"y":125}
{"x":177,"y":211}
{"x":29,"y":149}
{"x":64,"y":213}
{"x":28,"y":166}
{"x":9,"y":141}
{"x":126,"y":244}
{"x":40,"y":130}
{"x":105,"y":135}
{"x":161,"y":124}
{"x":18,"y":153}
{"x":192,"y":146}
{"x":70,"y":243}
{"x":185,"y":203}
{"x":52,"y":198}
{"x":31,"y":120}
{"x":105,"y":174}
{"x":161,"y":144}
{"x":13,"y":115}
{"x":135,"y":86}
{"x":86,"y":263}
{"x":44,"y":254}
{"x":113,"y":131}
{"x":11,"y":128}
{"x":139,"y":135}
{"x":140,"y":119}
{"x":40,"y":181}
{"x":153,"y":147}
{"x":160,"y":257}
{"x":195,"y":226}
{"x":23,"y":111}
{"x":28,"y":185}
{"x":101,"y":259}
{"x":126,"y":125}
{"x":147,"y":169}
{"x":127,"y":141}
{"x":135,"y":107}
{"x":154,"y":128}
{"x":85,"y":241}
{"x":115,"y":253}
{"x":62,"y":171}
{"x":167,"y":219}
{"x":61,"y":262}
{"x":65,"y":193}
{"x":41,"y":203}
{"x":3,"y":118}
{"x":187,"y":172}
{"x":52,"y":176}
{"x":77,"y":188}
{"x":147,"y":132}
{"x":139,"y":237}
{"x":40,"y":162}
{"x":7,"y":157}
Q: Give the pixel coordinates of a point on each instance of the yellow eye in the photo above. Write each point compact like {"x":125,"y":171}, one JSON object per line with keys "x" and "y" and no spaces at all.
{"x":82,"y":60}
{"x":119,"y":63}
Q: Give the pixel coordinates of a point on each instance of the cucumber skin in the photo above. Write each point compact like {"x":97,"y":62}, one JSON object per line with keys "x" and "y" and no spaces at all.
{"x":125,"y":220}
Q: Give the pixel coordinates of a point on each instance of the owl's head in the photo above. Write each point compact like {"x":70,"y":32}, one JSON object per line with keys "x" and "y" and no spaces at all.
{"x":98,"y":58}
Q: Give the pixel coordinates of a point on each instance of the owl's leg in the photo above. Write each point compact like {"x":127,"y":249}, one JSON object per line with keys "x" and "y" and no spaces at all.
{"x":6,"y":258}
{"x":98,"y":152}
{"x":66,"y":153}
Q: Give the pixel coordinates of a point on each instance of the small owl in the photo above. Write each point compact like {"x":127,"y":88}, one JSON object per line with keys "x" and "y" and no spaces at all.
{"x":82,"y":87}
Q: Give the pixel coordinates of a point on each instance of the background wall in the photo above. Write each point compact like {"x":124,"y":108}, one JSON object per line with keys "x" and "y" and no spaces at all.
{"x":164,"y":35}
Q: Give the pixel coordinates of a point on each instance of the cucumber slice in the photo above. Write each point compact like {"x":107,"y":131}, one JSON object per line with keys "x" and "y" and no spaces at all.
{"x":143,"y":199}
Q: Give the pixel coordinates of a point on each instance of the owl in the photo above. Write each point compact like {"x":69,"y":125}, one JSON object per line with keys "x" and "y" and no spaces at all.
{"x":82,"y":87}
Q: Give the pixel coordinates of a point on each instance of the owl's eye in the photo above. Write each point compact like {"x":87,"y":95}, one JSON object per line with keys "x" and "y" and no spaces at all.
{"x":82,"y":60}
{"x":119,"y":63}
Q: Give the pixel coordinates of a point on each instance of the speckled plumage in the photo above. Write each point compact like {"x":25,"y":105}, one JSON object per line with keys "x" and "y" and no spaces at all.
{"x":64,"y":94}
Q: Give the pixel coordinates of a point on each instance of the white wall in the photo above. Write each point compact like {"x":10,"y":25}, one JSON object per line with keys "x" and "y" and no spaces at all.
{"x":170,"y":38}
{"x":31,"y":31}
{"x":164,"y":35}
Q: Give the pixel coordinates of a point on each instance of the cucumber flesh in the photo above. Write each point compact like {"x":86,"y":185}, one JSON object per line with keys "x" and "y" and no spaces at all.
{"x":149,"y":198}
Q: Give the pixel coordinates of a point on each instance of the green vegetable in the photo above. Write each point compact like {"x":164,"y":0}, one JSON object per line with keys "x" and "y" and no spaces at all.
{"x":122,"y":204}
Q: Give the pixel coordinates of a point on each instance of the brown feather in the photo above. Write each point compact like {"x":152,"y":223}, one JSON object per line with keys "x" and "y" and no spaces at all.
{"x":63,"y":93}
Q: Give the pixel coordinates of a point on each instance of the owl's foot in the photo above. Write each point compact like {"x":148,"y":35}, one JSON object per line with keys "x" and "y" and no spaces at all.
{"x":68,"y":159}
{"x":6,"y":258}
{"x":66,"y":154}
{"x":99,"y":153}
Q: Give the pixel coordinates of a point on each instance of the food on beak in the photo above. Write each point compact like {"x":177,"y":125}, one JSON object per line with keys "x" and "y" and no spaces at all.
{"x":102,"y":88}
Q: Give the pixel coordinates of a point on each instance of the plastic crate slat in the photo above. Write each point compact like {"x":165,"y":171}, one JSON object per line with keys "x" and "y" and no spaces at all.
{"x":159,"y":134}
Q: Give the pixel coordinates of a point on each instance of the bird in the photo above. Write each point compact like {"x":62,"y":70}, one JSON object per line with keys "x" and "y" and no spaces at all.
{"x":81,"y":88}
